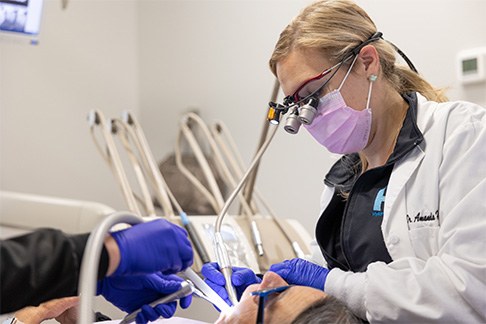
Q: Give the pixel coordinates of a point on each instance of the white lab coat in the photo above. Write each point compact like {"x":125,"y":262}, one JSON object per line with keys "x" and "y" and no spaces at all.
{"x":438,"y":272}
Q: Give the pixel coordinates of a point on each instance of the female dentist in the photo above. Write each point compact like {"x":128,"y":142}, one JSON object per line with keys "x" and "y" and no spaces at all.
{"x":403,"y":217}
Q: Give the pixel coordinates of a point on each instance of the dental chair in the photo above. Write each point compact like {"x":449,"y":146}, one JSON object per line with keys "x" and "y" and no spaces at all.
{"x":22,"y":212}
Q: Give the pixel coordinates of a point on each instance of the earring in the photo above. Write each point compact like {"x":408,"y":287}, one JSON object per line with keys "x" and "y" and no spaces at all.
{"x":372,"y":78}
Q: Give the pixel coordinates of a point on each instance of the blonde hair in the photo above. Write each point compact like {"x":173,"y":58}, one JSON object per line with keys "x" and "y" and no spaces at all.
{"x":335,"y":27}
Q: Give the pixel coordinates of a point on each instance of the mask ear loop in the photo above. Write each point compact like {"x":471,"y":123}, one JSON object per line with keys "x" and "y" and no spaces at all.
{"x":372,"y":79}
{"x":347,"y":73}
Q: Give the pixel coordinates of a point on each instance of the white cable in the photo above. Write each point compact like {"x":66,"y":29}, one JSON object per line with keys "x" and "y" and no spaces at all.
{"x":219,"y":160}
{"x":198,"y":153}
{"x":105,"y":155}
{"x":160,"y":186}
{"x":223,"y":137}
{"x":103,"y":151}
{"x":233,"y":159}
{"x":96,"y":118}
{"x":187,"y":173}
{"x":124,"y":134}
{"x":220,"y":131}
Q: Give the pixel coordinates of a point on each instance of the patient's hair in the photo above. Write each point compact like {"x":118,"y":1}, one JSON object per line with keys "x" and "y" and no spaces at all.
{"x":327,"y":310}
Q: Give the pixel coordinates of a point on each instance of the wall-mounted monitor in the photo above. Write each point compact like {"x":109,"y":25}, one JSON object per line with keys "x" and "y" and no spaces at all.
{"x":20,"y":17}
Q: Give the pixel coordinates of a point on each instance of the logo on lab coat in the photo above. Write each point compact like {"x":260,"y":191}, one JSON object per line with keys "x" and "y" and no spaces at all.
{"x":379,"y":204}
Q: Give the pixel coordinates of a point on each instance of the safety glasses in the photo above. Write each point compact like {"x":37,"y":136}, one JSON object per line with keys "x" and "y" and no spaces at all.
{"x":263,"y":295}
{"x":310,"y":86}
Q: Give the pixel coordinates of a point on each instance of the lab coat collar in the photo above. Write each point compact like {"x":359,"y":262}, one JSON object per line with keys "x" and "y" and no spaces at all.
{"x":410,"y":135}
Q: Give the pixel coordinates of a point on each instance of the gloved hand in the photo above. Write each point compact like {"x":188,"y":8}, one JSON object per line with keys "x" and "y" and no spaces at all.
{"x":153,"y":246}
{"x":301,"y":272}
{"x":132,"y":292}
{"x":241,"y":278}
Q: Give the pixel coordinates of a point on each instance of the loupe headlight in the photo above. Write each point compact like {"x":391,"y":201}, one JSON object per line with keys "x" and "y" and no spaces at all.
{"x":274,"y":113}
{"x":308,"y":111}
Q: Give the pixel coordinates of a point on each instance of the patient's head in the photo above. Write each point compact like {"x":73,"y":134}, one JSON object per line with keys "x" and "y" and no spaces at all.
{"x":285,"y":307}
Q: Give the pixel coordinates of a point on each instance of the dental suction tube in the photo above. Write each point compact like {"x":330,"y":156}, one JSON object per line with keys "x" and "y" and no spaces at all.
{"x":220,"y":249}
{"x":91,"y":257}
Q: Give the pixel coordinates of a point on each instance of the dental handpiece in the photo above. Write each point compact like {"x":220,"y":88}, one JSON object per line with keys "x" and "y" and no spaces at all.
{"x":257,"y":239}
{"x":186,"y":289}
{"x":225,"y":266}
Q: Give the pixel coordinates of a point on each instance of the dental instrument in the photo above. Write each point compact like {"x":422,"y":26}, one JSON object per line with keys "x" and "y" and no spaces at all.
{"x":186,"y":289}
{"x":196,"y":240}
{"x":198,"y":292}
{"x":205,"y":290}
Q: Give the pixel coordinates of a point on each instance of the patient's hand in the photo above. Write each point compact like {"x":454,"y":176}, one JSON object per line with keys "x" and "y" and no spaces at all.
{"x":64,"y":310}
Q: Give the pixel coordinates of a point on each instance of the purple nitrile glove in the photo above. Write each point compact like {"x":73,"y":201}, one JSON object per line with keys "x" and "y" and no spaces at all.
{"x":130,"y":293}
{"x":241,"y":278}
{"x":153,"y":246}
{"x":301,"y":272}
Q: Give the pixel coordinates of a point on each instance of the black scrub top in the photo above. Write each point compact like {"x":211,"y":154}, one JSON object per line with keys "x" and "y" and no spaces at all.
{"x":40,"y":266}
{"x":349,"y":229}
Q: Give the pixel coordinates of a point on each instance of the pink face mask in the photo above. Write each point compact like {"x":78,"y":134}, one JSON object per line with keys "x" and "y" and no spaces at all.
{"x":338,"y":127}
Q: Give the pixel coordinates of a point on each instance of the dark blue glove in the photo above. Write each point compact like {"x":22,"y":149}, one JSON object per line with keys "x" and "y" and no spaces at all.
{"x":241,"y":278}
{"x":301,"y":272}
{"x":130,"y":293}
{"x":153,"y":246}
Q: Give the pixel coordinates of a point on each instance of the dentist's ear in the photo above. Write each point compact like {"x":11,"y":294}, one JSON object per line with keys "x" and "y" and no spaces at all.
{"x":368,"y":56}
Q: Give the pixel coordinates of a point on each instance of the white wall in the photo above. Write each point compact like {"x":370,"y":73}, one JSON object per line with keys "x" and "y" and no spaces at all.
{"x":86,"y":59}
{"x":431,"y":33}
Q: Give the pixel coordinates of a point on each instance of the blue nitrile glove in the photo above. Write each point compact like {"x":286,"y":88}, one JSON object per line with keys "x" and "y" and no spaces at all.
{"x":130,"y":293}
{"x":153,"y":246}
{"x":241,"y":278}
{"x":301,"y":272}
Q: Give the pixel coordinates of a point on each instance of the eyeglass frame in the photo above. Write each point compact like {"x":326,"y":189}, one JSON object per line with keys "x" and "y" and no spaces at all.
{"x":263,"y":294}
{"x":295,"y":96}
{"x":294,"y":99}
